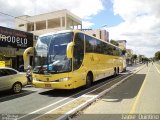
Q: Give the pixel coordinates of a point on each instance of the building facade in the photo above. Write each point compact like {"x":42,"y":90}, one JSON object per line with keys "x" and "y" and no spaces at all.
{"x":129,"y":53}
{"x":12,"y":45}
{"x":122,"y":44}
{"x":49,"y":22}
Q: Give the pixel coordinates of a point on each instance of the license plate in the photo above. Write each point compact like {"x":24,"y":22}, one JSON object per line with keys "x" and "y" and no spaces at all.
{"x":47,"y":85}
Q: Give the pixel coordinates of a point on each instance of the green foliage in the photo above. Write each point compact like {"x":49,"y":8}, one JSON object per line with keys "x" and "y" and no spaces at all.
{"x":123,"y":52}
{"x":140,"y":58}
{"x":114,"y":42}
{"x":157,"y":55}
{"x":145,"y":59}
{"x":134,"y":57}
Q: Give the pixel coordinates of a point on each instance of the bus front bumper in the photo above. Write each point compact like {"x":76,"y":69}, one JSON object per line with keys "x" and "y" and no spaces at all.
{"x":54,"y":85}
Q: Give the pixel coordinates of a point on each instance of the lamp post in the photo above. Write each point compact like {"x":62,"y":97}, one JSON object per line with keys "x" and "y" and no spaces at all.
{"x":103,"y":26}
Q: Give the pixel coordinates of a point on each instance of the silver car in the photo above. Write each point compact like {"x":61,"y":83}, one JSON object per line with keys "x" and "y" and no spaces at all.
{"x":11,"y":79}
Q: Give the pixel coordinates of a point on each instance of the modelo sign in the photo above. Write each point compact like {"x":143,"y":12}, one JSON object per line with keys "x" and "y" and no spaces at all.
{"x":15,"y":38}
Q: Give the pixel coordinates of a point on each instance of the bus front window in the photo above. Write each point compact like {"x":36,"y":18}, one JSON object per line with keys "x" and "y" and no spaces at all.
{"x":50,"y":54}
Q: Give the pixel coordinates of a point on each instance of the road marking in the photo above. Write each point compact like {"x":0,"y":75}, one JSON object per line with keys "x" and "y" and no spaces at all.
{"x":15,"y":95}
{"x":90,"y":100}
{"x":74,"y":99}
{"x":139,"y":94}
{"x":157,"y":69}
{"x":43,"y":108}
{"x":81,"y":106}
{"x":26,"y":91}
{"x":63,"y":100}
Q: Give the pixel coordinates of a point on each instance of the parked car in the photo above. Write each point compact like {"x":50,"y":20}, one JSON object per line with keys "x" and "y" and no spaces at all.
{"x":11,"y":79}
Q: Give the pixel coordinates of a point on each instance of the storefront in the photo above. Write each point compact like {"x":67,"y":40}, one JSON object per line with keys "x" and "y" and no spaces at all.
{"x":12,"y":45}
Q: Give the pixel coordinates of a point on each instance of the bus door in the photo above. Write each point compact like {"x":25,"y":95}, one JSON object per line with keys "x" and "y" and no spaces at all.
{"x":78,"y":60}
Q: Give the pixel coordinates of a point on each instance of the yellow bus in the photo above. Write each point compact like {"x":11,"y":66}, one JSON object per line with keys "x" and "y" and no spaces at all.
{"x":70,"y":59}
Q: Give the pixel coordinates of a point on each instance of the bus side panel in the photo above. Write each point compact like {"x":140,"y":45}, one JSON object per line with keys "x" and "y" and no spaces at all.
{"x":105,"y":66}
{"x":79,"y":75}
{"x":91,"y":63}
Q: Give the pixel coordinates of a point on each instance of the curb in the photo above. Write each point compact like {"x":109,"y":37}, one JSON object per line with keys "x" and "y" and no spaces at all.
{"x":82,"y":106}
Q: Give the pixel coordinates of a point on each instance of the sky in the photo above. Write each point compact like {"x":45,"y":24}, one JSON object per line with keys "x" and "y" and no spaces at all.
{"x":136,"y":21}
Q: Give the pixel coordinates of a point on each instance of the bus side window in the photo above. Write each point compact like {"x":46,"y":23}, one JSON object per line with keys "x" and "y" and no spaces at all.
{"x":78,"y":53}
{"x":98,"y":46}
{"x":89,"y":44}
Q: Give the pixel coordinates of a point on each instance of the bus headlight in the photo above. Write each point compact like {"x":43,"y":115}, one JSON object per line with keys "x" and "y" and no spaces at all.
{"x":35,"y":79}
{"x":64,"y":79}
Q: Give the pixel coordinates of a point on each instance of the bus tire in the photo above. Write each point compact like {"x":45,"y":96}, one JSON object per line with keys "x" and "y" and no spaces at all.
{"x":89,"y":79}
{"x":124,"y":69}
{"x":118,"y":71}
{"x":115,"y":72}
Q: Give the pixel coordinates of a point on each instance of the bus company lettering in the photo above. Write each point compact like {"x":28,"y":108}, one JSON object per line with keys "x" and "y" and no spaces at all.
{"x":19,"y":41}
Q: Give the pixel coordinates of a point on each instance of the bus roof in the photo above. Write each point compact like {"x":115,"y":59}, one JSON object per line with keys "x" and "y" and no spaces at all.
{"x":57,"y":32}
{"x":64,"y":31}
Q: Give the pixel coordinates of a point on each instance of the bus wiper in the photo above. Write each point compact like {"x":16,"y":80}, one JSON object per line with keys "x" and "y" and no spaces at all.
{"x":54,"y":56}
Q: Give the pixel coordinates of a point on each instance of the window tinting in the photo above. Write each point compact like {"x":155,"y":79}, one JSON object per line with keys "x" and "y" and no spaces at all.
{"x":98,"y":46}
{"x":78,"y":53}
{"x":89,"y":44}
{"x":5,"y":72}
{"x":11,"y":72}
{"x":94,"y":45}
{"x":2,"y":73}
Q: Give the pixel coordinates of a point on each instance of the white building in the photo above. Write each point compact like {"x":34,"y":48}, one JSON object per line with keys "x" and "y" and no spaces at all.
{"x":122,"y":44}
{"x":48,"y":22}
{"x":129,"y":53}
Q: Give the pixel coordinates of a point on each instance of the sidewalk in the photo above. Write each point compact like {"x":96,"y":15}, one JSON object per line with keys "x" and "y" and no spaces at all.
{"x":138,"y":95}
{"x":157,"y":64}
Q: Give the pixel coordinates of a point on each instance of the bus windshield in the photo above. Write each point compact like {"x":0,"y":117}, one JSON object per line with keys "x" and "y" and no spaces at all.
{"x":50,"y":54}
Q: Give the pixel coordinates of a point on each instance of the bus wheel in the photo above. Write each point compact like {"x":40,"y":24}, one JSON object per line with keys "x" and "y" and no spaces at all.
{"x":88,"y":80}
{"x":115,"y":72}
{"x":118,"y":71}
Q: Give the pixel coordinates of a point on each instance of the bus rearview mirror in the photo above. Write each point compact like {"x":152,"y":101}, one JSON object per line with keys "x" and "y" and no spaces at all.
{"x":26,"y":55}
{"x":70,"y":50}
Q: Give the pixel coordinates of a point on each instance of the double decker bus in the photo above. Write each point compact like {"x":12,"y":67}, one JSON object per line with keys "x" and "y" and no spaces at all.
{"x":70,"y":59}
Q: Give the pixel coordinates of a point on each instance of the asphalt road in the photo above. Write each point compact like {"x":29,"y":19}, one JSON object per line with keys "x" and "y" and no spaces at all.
{"x":39,"y":101}
{"x":134,"y":99}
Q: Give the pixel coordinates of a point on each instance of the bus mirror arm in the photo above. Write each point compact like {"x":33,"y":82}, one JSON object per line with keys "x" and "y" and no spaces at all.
{"x":69,"y":51}
{"x":26,"y":54}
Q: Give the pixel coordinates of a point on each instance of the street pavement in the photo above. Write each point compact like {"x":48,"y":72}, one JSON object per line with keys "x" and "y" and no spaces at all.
{"x":124,"y":99}
{"x":137,"y":98}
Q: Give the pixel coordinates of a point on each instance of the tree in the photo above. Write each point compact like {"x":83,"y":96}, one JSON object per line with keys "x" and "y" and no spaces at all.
{"x":145,"y":59}
{"x":134,"y":57}
{"x":157,"y":55}
{"x":141,"y":58}
{"x":114,"y":42}
{"x":124,"y":52}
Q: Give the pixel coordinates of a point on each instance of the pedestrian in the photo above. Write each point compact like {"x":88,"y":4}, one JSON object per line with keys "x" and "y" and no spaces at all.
{"x":21,"y":68}
{"x":29,"y":74}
